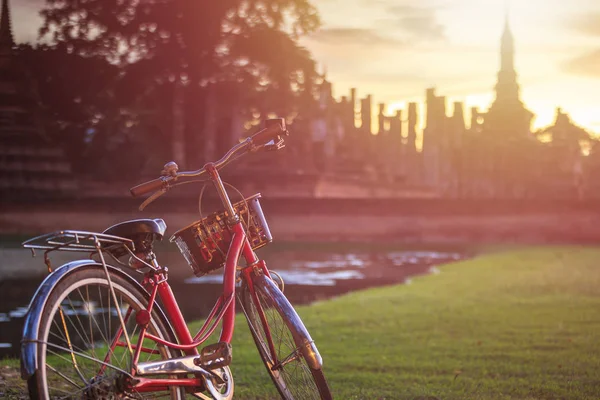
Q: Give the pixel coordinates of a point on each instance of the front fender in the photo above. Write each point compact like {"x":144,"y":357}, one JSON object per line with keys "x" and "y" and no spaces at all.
{"x":29,"y":345}
{"x":294,"y":323}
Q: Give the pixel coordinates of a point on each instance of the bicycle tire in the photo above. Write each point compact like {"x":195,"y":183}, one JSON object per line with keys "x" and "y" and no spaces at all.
{"x":311,"y":383}
{"x":66,"y":306}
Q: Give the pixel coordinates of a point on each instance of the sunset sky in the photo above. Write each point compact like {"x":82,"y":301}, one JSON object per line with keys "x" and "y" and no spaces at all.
{"x":395,"y":49}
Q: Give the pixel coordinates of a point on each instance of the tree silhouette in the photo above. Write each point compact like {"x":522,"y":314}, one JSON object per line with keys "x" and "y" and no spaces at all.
{"x":198,"y":41}
{"x":246,"y":50}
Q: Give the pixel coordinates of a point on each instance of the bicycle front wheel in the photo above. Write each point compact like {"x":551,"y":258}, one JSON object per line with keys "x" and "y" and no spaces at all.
{"x":83,"y":351}
{"x":286,"y":364}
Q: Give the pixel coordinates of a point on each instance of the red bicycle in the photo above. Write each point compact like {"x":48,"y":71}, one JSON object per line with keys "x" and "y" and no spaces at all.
{"x":94,"y":332}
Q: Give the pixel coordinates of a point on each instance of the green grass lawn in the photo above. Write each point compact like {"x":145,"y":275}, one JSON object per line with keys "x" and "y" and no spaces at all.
{"x":511,"y":325}
{"x":516,"y":325}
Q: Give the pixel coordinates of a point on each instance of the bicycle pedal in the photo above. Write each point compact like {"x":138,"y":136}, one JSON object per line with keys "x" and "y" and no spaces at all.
{"x":215,"y":356}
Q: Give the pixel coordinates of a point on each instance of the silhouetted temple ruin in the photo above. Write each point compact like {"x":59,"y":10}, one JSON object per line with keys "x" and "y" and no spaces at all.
{"x":496,"y":154}
{"x":30,"y":167}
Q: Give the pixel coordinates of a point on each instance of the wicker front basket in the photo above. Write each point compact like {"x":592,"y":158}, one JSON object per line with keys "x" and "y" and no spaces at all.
{"x":204,"y":243}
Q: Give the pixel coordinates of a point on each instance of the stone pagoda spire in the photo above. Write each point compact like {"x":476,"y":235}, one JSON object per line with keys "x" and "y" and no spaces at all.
{"x":507,"y":46}
{"x":507,"y":88}
{"x":7,"y":41}
{"x":507,"y":117}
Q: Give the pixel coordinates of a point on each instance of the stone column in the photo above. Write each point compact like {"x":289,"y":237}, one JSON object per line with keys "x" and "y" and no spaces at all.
{"x":414,"y":166}
{"x":210,"y":124}
{"x":178,"y":153}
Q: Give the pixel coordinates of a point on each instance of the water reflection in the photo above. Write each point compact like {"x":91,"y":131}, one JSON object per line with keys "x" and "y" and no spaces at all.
{"x":336,"y":261}
{"x":327,"y":275}
{"x":330,"y":269}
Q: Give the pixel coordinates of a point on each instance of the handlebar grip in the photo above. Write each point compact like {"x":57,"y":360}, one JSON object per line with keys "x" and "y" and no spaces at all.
{"x":147,"y":187}
{"x":274,"y":128}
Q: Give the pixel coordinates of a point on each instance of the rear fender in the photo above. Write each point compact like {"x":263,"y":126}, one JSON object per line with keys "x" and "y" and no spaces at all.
{"x":29,"y":345}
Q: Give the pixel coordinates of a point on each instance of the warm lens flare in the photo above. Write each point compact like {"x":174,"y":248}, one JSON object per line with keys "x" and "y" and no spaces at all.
{"x":395,"y":50}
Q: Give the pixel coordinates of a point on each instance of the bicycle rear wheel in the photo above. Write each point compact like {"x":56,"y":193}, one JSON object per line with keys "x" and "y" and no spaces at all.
{"x":79,"y":325}
{"x":291,"y":373}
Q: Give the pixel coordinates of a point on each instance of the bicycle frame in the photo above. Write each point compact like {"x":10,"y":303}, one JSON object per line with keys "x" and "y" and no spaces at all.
{"x":186,"y":366}
{"x":156,"y":283}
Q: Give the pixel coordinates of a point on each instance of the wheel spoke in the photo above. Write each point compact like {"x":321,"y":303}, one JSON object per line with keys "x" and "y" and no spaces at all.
{"x":78,"y":358}
{"x":62,"y":375}
{"x":288,"y":368}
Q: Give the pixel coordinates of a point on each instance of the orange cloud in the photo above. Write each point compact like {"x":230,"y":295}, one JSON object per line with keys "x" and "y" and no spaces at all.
{"x":587,"y":24}
{"x":353,"y":36}
{"x":418,"y":22}
{"x":586,"y":65}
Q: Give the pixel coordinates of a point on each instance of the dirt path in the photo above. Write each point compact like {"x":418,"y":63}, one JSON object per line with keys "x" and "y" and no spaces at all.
{"x":11,"y":385}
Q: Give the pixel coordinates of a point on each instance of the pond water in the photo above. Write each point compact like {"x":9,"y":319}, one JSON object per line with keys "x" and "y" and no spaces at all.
{"x":308,"y":277}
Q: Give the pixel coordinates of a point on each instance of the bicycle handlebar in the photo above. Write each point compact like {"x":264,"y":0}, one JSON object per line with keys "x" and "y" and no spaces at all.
{"x":147,"y":187}
{"x":275,"y":128}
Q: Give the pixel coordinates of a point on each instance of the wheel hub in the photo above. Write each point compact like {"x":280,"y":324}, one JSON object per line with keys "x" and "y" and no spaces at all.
{"x":102,"y":388}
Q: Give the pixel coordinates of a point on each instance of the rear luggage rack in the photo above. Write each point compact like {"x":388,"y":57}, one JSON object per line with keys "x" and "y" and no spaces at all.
{"x":78,"y":241}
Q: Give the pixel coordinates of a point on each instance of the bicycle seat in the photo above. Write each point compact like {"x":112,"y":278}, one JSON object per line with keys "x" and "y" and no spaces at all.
{"x":133,"y":229}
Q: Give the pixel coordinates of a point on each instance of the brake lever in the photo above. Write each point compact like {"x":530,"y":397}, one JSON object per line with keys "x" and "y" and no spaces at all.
{"x":276,"y":146}
{"x":150,"y":199}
